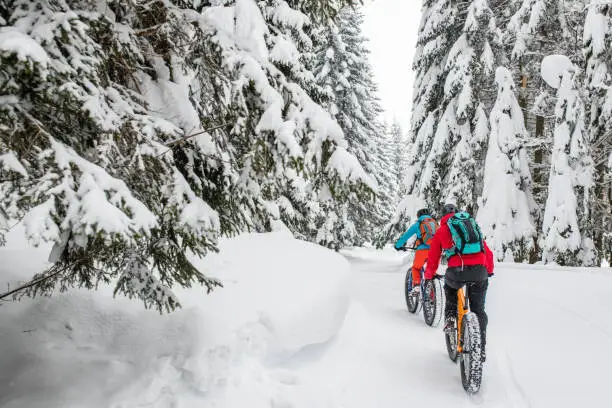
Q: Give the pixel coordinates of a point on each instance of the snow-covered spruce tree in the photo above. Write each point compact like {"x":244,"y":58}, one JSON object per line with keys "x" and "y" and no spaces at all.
{"x":89,"y":171}
{"x":344,"y":72}
{"x":437,"y":32}
{"x":567,"y":216}
{"x":399,"y":149}
{"x":144,"y":180}
{"x":536,"y":24}
{"x":323,"y":10}
{"x":538,"y":28}
{"x":453,"y":62}
{"x":598,"y":55}
{"x":505,"y":212}
{"x":401,"y":217}
{"x":450,"y":171}
{"x":391,"y":156}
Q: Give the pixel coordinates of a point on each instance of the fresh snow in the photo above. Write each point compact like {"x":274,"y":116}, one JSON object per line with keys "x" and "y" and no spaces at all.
{"x":292,"y":328}
{"x":8,"y":161}
{"x":554,"y":67}
{"x":24,"y":46}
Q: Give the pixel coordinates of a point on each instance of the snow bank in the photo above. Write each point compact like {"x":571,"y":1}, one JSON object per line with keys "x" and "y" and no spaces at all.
{"x":280,"y":296}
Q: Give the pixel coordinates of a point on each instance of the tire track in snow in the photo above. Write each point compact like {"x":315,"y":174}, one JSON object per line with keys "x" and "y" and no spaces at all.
{"x":514,"y":390}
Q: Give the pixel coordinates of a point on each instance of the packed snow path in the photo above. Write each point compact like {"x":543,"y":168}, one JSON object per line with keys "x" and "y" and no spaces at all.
{"x":550,"y":342}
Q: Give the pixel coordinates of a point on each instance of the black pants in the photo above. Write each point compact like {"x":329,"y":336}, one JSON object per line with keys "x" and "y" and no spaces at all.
{"x":477,"y":292}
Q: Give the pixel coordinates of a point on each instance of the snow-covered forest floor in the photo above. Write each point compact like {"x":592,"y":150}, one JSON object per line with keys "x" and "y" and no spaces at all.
{"x":299,"y":326}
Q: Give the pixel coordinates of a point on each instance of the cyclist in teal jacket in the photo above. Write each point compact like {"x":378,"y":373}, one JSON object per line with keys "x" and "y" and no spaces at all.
{"x":424,"y":229}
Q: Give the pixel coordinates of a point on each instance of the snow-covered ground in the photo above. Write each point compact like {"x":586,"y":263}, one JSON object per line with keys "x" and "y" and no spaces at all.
{"x":298,"y":326}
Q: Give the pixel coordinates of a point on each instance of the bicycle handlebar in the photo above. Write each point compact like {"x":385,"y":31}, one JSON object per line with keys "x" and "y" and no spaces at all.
{"x":404,"y":249}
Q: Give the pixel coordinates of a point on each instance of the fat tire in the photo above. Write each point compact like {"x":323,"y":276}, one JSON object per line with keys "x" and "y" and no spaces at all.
{"x":412,"y":302}
{"x":451,"y":345}
{"x":471,"y":361}
{"x":432,"y":308}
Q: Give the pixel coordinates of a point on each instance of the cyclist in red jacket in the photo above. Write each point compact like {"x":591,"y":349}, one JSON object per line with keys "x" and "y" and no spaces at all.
{"x":474,"y":269}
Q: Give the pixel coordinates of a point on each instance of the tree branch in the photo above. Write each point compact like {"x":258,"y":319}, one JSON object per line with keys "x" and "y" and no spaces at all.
{"x":180,"y":139}
{"x":30,"y":284}
{"x":195,"y":134}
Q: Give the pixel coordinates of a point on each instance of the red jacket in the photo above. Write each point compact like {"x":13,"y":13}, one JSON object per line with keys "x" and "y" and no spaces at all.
{"x":442,"y":240}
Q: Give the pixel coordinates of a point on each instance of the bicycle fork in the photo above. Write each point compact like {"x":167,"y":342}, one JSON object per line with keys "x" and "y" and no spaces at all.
{"x":462,"y":310}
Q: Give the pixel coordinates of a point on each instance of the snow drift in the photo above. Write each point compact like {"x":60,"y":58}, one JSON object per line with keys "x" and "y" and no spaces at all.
{"x":280,"y":296}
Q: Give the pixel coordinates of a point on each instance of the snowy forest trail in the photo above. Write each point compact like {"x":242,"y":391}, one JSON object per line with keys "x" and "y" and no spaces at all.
{"x":301,"y":327}
{"x":548,"y":342}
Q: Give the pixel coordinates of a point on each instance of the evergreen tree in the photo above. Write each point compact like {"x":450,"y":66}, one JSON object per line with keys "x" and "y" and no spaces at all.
{"x":189,"y":126}
{"x":437,"y":33}
{"x":598,"y":55}
{"x":566,"y":218}
{"x":458,"y":46}
{"x":451,"y":168}
{"x":345,"y":74}
{"x":538,"y":28}
{"x":109,"y":192}
{"x":399,"y":154}
{"x":455,"y":56}
{"x":505,"y":213}
{"x":396,"y":151}
{"x":390,"y":157}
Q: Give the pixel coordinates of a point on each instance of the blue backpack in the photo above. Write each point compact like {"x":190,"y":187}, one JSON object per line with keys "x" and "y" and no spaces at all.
{"x":466,"y":235}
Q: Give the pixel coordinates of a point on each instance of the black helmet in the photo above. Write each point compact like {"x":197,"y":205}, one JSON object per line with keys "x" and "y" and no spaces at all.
{"x":449,"y":209}
{"x":423,"y":211}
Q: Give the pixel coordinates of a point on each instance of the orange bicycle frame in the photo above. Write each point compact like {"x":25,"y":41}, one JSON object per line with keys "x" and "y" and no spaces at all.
{"x":462,"y":310}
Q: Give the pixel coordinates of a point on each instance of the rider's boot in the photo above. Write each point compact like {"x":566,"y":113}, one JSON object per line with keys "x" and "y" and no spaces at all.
{"x":416,"y":289}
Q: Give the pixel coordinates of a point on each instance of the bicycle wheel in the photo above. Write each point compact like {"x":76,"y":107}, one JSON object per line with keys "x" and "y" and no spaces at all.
{"x":433,"y":303}
{"x":451,"y":345}
{"x":471,"y":363}
{"x":412,"y":300}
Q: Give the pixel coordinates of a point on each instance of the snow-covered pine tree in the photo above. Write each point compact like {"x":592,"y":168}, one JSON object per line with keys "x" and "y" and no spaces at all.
{"x":450,"y":172}
{"x":567,"y":215}
{"x":399,"y":149}
{"x":505,"y":212}
{"x":189,"y":125}
{"x":598,"y":55}
{"x":323,"y":10}
{"x":92,"y":174}
{"x":436,"y":35}
{"x":345,"y":74}
{"x":401,"y":215}
{"x":535,"y":29}
{"x":453,"y":61}
{"x":391,"y":156}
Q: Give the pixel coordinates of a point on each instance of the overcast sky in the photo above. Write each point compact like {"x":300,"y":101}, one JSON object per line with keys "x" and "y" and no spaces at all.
{"x":391,"y":26}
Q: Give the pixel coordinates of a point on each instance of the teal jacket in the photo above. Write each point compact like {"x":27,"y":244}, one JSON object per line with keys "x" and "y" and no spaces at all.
{"x":413,"y":230}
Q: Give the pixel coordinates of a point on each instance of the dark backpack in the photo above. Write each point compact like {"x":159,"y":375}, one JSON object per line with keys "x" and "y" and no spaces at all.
{"x":466,"y":235}
{"x":427,"y":228}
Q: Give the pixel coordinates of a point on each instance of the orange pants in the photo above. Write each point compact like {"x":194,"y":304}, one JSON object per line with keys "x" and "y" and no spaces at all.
{"x":420,"y":257}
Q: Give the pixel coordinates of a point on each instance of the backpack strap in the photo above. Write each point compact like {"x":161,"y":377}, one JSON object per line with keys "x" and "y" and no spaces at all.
{"x":453,"y":230}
